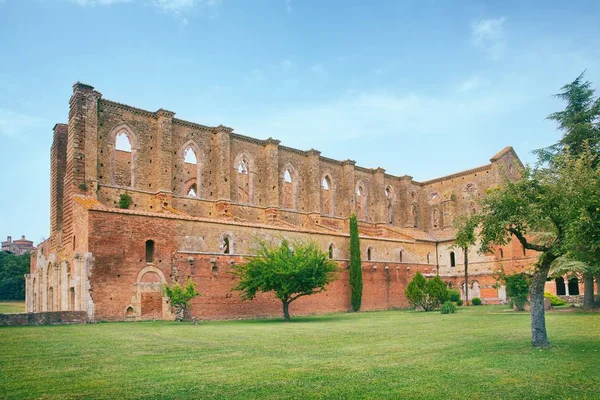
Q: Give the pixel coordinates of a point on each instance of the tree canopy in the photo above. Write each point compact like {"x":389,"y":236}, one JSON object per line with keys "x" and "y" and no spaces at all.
{"x":290,"y":270}
{"x":579,"y":121}
{"x":12,"y":275}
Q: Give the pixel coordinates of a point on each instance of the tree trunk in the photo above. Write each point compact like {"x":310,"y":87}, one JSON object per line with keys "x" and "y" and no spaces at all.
{"x":466,"y":251}
{"x":588,"y":291}
{"x":286,"y":311}
{"x":539,"y":337}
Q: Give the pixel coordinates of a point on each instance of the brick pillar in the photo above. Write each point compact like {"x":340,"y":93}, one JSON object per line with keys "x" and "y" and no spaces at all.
{"x":223,"y":162}
{"x":378,"y":196}
{"x":272,"y":172}
{"x":58,"y":164}
{"x":348,"y":197}
{"x":81,"y":166}
{"x":313,"y":184}
{"x":163,"y":153}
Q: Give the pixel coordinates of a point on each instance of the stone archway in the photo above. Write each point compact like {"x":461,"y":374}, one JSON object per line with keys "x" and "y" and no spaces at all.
{"x":149,"y":302}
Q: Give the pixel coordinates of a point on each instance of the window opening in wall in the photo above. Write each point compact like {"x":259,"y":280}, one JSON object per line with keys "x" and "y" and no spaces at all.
{"x":452,"y":259}
{"x":243,"y":182}
{"x":190,"y":156}
{"x":326,"y":196}
{"x":401,"y":253}
{"x":226,"y":249}
{"x":192,"y":192}
{"x":122,"y":142}
{"x":501,"y":253}
{"x":149,"y":251}
{"x":288,"y":190}
{"x":428,"y":256}
{"x":369,"y":254}
{"x":361,"y":203}
{"x":330,"y":251}
{"x":436,"y":218}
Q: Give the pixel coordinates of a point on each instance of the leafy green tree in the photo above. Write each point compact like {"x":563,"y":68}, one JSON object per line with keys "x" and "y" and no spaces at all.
{"x":465,"y":238}
{"x":426,"y":294}
{"x":180,"y":297}
{"x":537,"y":211}
{"x":579,"y":121}
{"x":356,"y":283}
{"x":290,"y":270}
{"x":12,"y":275}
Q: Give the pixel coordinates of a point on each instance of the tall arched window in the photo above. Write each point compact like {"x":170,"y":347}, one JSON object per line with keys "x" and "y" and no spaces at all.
{"x":452,"y":259}
{"x":326,"y":196}
{"x":288,"y":190}
{"x":401,"y":253}
{"x":428,"y":257}
{"x":226,"y":248}
{"x":389,"y":196}
{"x":369,"y":254}
{"x":330,"y":251}
{"x":149,"y":251}
{"x":243,"y":181}
{"x":191,"y":172}
{"x":501,"y":253}
{"x":435,"y":218}
{"x":361,"y":202}
{"x":415,"y":216}
{"x":123,"y":160}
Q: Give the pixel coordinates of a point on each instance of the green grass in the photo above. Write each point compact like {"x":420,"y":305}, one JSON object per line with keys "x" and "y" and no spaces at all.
{"x":477,"y":353}
{"x":10,"y":307}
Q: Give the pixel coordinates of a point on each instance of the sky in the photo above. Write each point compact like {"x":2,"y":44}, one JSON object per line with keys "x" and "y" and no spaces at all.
{"x":422,"y":88}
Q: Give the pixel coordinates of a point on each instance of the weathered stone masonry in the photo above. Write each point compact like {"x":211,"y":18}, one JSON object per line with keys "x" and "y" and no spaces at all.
{"x":202,"y":194}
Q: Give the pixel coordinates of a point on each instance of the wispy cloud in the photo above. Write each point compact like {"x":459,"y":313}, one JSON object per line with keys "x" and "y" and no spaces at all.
{"x":288,"y":5}
{"x":472,"y":83}
{"x":488,"y":35}
{"x":317,"y":69}
{"x":178,"y":8}
{"x":99,"y":2}
{"x":13,"y":123}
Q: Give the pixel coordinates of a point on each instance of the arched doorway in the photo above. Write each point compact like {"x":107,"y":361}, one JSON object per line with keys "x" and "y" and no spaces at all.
{"x":149,"y":302}
{"x":560,"y":287}
{"x":573,"y":286}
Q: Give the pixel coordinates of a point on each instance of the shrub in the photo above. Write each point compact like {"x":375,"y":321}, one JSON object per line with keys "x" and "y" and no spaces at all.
{"x":125,"y":200}
{"x":426,"y":294}
{"x":448,"y":308}
{"x":517,"y":288}
{"x":554,"y":300}
{"x":459,"y":302}
{"x":476,"y":301}
{"x":453,"y":295}
{"x":180,"y":297}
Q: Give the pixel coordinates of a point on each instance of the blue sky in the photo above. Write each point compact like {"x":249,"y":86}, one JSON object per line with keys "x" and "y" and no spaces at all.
{"x":424,"y":88}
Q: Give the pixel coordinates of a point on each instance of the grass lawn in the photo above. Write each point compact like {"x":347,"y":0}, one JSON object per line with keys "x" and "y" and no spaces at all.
{"x":9,"y":307}
{"x":478,"y":353}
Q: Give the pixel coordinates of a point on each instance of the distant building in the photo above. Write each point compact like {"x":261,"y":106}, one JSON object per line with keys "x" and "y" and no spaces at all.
{"x":18,"y":247}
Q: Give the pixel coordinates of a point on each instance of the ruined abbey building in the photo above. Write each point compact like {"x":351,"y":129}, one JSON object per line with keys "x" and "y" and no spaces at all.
{"x":201,"y":195}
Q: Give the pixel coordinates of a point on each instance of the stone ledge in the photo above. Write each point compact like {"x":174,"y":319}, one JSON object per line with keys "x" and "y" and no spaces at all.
{"x":44,"y":318}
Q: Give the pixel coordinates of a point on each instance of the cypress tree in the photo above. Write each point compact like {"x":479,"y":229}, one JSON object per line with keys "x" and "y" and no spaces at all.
{"x":356,"y":283}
